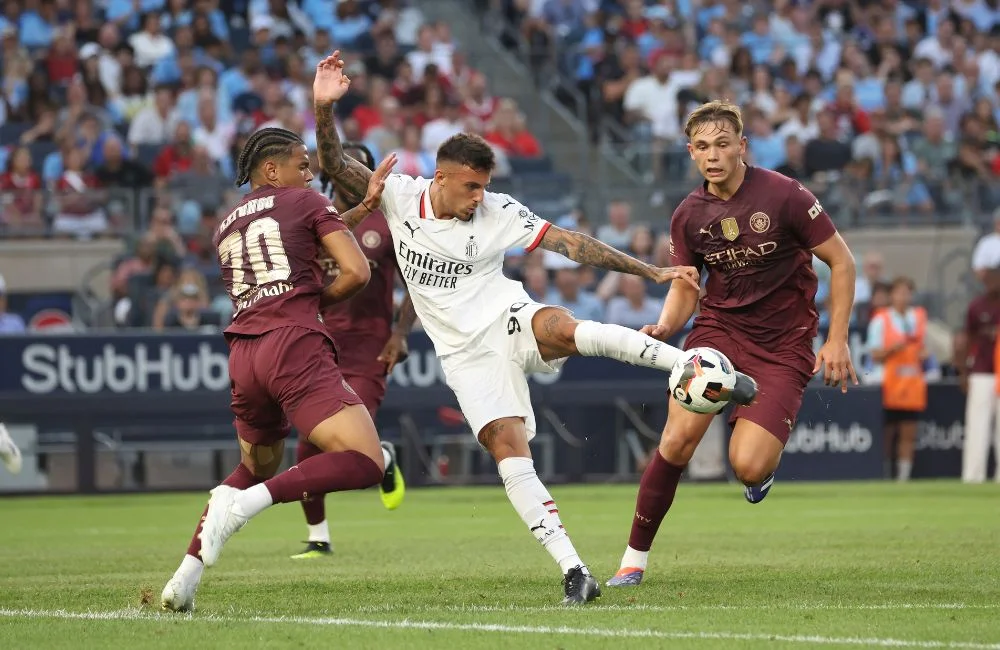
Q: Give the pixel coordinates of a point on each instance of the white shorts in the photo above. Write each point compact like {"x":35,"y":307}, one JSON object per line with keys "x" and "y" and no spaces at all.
{"x":489,"y":377}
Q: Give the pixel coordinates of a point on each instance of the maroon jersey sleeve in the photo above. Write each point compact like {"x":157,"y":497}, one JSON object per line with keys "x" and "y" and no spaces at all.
{"x":807,"y":219}
{"x":681,"y":253}
{"x":320,"y":213}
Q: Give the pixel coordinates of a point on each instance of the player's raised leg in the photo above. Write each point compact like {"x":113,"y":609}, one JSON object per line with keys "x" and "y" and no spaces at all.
{"x":9,"y":452}
{"x":352,"y":460}
{"x":257,"y":463}
{"x":681,"y":435}
{"x":559,"y":335}
{"x":507,"y":441}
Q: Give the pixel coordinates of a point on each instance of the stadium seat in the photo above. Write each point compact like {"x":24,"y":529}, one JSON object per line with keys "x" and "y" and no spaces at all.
{"x":11,"y":132}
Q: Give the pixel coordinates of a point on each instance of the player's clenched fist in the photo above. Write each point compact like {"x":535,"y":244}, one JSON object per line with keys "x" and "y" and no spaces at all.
{"x":330,"y":83}
{"x":687,"y":273}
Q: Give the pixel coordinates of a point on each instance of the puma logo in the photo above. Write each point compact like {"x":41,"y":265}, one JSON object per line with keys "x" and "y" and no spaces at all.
{"x":412,"y":229}
{"x":788,"y":421}
{"x":509,"y":203}
{"x":540,"y":526}
{"x":642,"y":519}
{"x":705,"y":231}
{"x":655,"y":345}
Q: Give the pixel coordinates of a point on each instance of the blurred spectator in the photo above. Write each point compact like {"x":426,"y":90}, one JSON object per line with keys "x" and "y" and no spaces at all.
{"x":9,"y":323}
{"x":155,"y":124}
{"x":795,"y":159}
{"x":509,"y":132}
{"x":185,"y":305}
{"x":176,"y":156}
{"x":986,"y":254}
{"x":567,"y":292}
{"x":618,"y":231}
{"x":872,"y":273}
{"x":21,"y":186}
{"x":139,"y":263}
{"x":163,"y":232}
{"x":633,"y":308}
{"x":414,"y":160}
{"x":117,"y":171}
{"x":199,"y":188}
{"x":536,"y":283}
{"x":81,"y":213}
{"x":150,"y":44}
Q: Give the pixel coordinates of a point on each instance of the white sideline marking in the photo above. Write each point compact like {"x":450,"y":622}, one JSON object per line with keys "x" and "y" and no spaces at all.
{"x":639,"y":607}
{"x":407,"y":624}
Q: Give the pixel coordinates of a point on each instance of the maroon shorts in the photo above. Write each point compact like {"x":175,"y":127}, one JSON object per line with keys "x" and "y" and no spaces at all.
{"x":781,"y":378}
{"x":288,"y":375}
{"x":371,"y":390}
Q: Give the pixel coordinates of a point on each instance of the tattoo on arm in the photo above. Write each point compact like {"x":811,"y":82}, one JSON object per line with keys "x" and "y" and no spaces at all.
{"x":355,"y":215}
{"x":587,"y":250}
{"x":349,"y":176}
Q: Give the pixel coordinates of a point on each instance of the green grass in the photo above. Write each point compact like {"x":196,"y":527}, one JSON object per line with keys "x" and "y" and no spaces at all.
{"x":823,"y":564}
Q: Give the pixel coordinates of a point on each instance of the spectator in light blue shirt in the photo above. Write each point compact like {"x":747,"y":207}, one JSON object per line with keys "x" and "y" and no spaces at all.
{"x":759,"y":41}
{"x":766,"y":147}
{"x":9,"y":323}
{"x":567,"y":292}
{"x":633,"y":308}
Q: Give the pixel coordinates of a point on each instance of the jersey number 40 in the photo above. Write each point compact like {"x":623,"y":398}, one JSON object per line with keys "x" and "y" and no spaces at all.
{"x":264,"y":250}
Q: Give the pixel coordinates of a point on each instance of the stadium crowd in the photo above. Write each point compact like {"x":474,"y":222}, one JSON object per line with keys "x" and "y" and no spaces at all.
{"x":124,"y":118}
{"x":879,"y":107}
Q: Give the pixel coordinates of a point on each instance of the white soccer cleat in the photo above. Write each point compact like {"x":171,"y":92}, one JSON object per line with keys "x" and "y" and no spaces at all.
{"x":178,"y":595}
{"x":220,"y":523}
{"x":9,"y":453}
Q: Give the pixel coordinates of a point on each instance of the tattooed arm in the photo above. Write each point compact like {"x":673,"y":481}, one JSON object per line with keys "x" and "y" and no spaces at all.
{"x":349,"y":176}
{"x":587,"y":250}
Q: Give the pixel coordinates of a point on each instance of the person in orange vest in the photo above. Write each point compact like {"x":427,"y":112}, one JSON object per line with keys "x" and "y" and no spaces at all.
{"x":896,"y":340}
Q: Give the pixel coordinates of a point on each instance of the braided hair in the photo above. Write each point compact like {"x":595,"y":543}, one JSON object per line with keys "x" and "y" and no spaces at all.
{"x":261,"y":145}
{"x":366,"y":158}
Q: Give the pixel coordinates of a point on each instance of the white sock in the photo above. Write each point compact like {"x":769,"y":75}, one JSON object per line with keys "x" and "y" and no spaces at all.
{"x":319,"y":532}
{"x":386,"y":458}
{"x":252,"y":501}
{"x":903,"y":469}
{"x":623,"y":344}
{"x":538,"y":510}
{"x":634,"y":559}
{"x":191,"y":569}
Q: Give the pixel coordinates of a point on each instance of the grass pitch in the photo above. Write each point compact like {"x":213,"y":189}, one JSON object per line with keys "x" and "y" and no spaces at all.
{"x":850,"y":565}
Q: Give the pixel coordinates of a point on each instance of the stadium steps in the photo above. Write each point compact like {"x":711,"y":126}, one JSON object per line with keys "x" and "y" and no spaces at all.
{"x":563,"y":136}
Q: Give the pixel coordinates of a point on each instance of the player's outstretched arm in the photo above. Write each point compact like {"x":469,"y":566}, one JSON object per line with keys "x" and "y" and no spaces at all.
{"x":350,"y":176}
{"x":373,"y":193}
{"x":587,"y":250}
{"x":396,"y":349}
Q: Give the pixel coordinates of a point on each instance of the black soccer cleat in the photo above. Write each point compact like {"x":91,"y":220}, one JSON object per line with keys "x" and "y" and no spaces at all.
{"x":580,"y":587}
{"x":314,"y":550}
{"x":745,"y":390}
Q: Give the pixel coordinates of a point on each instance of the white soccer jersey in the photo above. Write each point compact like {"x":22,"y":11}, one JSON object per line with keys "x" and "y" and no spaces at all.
{"x":452,"y":268}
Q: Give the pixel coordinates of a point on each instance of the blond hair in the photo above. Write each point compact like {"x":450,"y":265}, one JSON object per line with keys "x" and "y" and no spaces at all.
{"x":718,"y":110}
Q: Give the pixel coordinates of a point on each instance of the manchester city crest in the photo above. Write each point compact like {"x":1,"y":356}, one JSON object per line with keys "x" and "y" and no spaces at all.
{"x":730,"y":229}
{"x":760,"y":222}
{"x":471,"y":248}
{"x":371,"y":239}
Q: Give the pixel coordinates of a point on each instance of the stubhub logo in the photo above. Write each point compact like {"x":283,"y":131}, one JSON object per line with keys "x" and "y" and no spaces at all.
{"x":49,"y":368}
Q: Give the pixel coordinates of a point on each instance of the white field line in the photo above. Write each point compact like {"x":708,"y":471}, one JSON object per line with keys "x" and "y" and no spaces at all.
{"x":802,"y":607}
{"x":407,"y":624}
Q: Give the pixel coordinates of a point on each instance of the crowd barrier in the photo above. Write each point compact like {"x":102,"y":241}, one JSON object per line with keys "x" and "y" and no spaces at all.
{"x":92,"y":382}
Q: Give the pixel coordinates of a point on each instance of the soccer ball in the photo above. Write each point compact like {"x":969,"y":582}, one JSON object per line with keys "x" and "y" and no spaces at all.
{"x":702,"y":380}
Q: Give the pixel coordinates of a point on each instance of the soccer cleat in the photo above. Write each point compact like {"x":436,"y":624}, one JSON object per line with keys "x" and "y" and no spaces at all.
{"x":745,"y":390}
{"x":314,"y":550}
{"x":178,"y":595}
{"x":9,"y":453}
{"x":392,"y":487}
{"x":628,"y":577}
{"x":756,"y":493}
{"x":579,"y":587}
{"x":220,"y":523}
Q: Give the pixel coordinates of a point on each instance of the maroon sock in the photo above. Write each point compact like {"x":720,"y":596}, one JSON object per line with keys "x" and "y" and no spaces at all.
{"x":314,"y":506}
{"x":241,"y":479}
{"x":326,"y":472}
{"x":656,"y":493}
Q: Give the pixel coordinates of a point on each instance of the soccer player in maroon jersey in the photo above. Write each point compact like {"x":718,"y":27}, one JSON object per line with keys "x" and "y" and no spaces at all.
{"x":282,"y":361}
{"x":368,"y":346}
{"x":755,"y":231}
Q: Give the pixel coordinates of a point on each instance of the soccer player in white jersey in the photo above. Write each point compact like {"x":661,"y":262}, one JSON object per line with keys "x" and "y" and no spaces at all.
{"x":450,"y":236}
{"x":9,"y":453}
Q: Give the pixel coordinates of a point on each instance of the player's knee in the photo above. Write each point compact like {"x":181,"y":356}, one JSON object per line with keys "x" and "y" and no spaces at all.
{"x":263,"y":461}
{"x":505,"y":438}
{"x":556,"y":328}
{"x":677,"y":445}
{"x":751,"y":469}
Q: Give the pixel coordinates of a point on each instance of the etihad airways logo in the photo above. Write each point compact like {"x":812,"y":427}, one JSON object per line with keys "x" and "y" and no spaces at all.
{"x":737,"y":257}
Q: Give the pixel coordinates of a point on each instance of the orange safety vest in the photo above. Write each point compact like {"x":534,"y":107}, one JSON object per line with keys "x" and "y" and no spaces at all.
{"x":904,"y":387}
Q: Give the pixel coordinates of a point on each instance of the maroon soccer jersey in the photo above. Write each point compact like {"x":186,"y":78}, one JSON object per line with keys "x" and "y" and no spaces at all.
{"x":756,"y":246}
{"x":981,"y":320}
{"x":268,"y":249}
{"x":361,"y":326}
